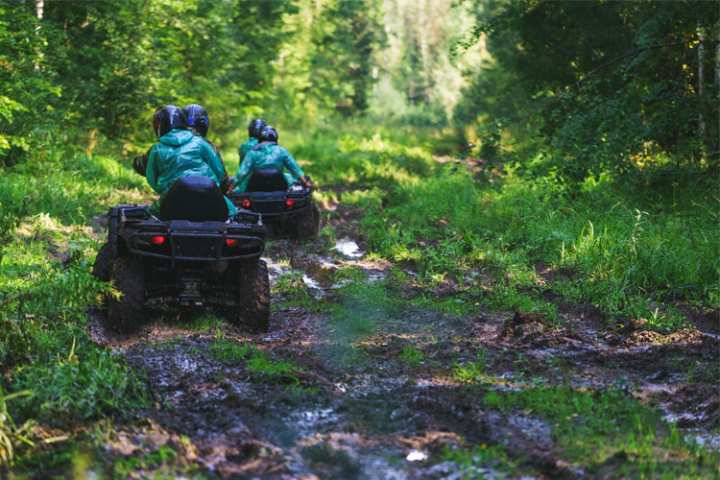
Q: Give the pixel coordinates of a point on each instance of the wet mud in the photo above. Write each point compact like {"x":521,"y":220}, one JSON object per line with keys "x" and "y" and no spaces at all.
{"x":354,"y":408}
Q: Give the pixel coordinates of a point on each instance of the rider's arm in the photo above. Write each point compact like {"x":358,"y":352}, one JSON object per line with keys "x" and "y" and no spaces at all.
{"x":214,"y":161}
{"x":246,"y":167}
{"x":151,"y":172}
{"x":290,"y":163}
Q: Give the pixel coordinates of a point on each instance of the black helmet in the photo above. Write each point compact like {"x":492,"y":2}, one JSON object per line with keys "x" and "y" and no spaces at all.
{"x":197,"y":118}
{"x":255,"y":127}
{"x":167,"y":118}
{"x":269,"y":134}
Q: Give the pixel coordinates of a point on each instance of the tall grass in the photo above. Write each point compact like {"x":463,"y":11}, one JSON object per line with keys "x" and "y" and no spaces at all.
{"x":626,"y":245}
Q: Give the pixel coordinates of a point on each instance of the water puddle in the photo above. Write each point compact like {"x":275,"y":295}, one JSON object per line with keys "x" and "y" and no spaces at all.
{"x":348,"y":248}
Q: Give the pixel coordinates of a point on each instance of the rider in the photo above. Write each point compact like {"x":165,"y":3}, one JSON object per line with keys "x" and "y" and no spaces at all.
{"x":268,"y":154}
{"x":179,"y":153}
{"x":199,"y":123}
{"x":254,"y":129}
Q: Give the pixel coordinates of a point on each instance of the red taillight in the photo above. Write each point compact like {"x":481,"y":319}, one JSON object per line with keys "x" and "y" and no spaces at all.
{"x":231,"y":242}
{"x":246,"y":203}
{"x":157,"y":240}
{"x":289,"y":203}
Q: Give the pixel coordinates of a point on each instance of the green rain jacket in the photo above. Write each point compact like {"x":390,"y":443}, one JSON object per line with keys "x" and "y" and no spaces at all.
{"x":267,"y":155}
{"x":180,"y":153}
{"x":247,"y":146}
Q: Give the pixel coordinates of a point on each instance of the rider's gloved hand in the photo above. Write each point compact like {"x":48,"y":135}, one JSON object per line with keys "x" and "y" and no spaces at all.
{"x":140,"y":164}
{"x":306,"y":181}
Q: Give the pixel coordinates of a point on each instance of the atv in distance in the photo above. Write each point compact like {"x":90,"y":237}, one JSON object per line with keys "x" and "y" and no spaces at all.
{"x":192,"y":258}
{"x":287,"y":212}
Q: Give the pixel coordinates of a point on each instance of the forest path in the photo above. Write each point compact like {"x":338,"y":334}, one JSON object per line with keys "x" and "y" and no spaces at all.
{"x":357,"y":380}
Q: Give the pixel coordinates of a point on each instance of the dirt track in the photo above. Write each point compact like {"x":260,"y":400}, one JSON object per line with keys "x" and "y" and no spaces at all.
{"x":357,"y":410}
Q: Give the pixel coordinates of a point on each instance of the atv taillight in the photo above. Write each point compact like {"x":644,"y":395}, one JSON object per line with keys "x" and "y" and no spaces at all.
{"x":157,"y":239}
{"x":289,"y":203}
{"x":231,"y":242}
{"x":246,"y":203}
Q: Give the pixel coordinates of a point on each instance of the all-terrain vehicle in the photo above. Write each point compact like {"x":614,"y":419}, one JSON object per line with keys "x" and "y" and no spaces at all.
{"x":192,"y":258}
{"x":287,"y":211}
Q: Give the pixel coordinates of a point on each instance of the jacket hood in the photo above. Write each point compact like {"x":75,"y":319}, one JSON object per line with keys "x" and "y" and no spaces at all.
{"x":177,"y":137}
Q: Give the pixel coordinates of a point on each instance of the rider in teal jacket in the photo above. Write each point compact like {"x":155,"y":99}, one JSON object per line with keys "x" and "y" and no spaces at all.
{"x":179,"y":153}
{"x":268,"y":154}
{"x":254,"y":129}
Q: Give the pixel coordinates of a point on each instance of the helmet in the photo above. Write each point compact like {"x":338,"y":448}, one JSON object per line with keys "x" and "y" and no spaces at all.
{"x":167,"y":118}
{"x":269,"y":134}
{"x":197,"y":118}
{"x":255,"y":127}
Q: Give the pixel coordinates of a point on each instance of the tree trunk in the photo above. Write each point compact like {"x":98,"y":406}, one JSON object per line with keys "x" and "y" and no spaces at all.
{"x":701,"y":85}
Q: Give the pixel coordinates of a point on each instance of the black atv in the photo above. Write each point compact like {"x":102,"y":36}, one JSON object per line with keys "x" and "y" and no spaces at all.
{"x":191,"y":258}
{"x":287,"y":212}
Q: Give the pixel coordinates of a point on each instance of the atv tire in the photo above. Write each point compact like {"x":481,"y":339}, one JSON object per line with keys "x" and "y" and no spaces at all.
{"x":253,"y":295}
{"x":127,"y":313}
{"x":102,"y":268}
{"x":308,"y":224}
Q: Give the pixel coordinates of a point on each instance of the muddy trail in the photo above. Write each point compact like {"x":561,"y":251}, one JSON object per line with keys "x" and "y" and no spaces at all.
{"x":378,"y":386}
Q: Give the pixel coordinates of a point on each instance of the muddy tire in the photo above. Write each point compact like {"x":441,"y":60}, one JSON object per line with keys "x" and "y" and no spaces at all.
{"x":102,"y":268}
{"x":127,"y":313}
{"x":253,"y":290}
{"x":308,"y":224}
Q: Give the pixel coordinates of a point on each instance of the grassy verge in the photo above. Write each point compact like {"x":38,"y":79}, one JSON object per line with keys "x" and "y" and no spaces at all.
{"x":55,"y":379}
{"x":637,"y":248}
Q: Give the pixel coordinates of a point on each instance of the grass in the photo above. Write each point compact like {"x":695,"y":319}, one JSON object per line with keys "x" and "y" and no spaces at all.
{"x":594,"y":427}
{"x":46,"y":253}
{"x":258,"y":363}
{"x":411,"y":356}
{"x":473,"y":371}
{"x":631,"y":250}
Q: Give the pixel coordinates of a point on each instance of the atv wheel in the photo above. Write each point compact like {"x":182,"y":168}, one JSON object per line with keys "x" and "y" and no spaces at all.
{"x":126,"y":313}
{"x":308,"y":224}
{"x":102,"y":268}
{"x":253,"y":289}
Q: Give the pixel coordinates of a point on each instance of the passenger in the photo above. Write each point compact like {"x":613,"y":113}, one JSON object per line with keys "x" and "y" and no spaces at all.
{"x":179,"y":153}
{"x":254,"y":130}
{"x":199,"y":123}
{"x":268,"y":154}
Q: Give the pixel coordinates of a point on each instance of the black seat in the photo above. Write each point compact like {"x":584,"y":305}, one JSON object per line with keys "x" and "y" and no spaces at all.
{"x":194,"y":198}
{"x":267,"y":180}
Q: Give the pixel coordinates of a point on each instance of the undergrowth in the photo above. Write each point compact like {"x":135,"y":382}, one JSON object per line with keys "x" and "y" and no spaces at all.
{"x":604,"y":241}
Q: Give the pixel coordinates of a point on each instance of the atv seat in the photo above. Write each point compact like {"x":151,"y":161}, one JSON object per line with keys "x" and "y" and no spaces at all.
{"x":194,"y":198}
{"x":267,"y":180}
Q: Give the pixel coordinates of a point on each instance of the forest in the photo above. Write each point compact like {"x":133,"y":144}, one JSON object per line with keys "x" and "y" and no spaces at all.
{"x":517,"y":270}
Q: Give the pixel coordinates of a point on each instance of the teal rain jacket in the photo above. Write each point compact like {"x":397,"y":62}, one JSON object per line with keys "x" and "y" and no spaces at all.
{"x":247,"y":146}
{"x":267,"y":155}
{"x":179,"y":154}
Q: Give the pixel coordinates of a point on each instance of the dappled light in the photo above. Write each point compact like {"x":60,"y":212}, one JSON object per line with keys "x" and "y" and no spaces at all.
{"x":359,"y":239}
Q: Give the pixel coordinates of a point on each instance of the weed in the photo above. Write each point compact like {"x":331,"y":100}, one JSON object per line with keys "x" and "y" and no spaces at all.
{"x":411,"y":356}
{"x":474,"y":462}
{"x":471,"y":372}
{"x":228,"y":351}
{"x":164,"y":456}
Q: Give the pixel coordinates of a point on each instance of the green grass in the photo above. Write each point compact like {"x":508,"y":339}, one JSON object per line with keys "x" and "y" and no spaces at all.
{"x":411,"y":356}
{"x":258,"y":363}
{"x":630,"y":249}
{"x":593,"y":426}
{"x":46,"y":253}
{"x":473,"y":371}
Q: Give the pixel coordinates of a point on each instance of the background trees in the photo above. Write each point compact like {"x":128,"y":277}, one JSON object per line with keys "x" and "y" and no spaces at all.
{"x":591,"y":86}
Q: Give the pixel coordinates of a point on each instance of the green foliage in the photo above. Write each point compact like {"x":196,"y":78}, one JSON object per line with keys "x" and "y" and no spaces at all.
{"x":628,"y":90}
{"x":411,"y":356}
{"x":86,"y":385}
{"x":164,"y":456}
{"x":12,"y":434}
{"x":257,"y":362}
{"x":471,"y":372}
